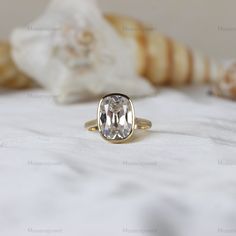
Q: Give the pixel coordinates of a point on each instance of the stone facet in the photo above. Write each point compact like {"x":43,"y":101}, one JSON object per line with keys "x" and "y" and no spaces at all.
{"x":116,"y":117}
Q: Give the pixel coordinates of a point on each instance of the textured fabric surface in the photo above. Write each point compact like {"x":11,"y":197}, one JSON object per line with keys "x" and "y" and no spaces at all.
{"x":57,"y":178}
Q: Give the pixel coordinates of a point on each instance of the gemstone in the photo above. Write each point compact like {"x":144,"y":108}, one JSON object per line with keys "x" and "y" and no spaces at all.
{"x":116,"y":117}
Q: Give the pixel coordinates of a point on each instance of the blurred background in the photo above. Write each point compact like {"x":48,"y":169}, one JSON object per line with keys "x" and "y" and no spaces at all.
{"x":207,"y":25}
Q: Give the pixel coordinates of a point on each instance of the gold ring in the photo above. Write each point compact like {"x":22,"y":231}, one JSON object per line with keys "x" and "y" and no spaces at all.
{"x":116,"y":119}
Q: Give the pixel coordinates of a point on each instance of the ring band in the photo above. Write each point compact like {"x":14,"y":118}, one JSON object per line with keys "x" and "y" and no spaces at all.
{"x":116,"y":120}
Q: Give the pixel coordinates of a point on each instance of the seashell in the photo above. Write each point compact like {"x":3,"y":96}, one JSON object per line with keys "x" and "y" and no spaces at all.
{"x":164,"y":61}
{"x":226,"y":86}
{"x":10,"y":76}
{"x":77,"y":56}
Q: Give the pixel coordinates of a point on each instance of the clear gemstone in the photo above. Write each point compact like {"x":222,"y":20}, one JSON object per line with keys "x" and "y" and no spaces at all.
{"x":116,"y":117}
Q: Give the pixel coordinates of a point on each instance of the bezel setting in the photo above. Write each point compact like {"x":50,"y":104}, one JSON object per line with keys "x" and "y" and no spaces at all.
{"x":131,"y":109}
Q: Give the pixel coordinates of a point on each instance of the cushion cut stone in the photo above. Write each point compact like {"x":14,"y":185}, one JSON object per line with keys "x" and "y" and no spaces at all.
{"x":116,"y":117}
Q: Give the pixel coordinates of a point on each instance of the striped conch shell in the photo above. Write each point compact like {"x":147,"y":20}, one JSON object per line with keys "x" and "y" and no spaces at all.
{"x":164,"y":61}
{"x":73,"y":63}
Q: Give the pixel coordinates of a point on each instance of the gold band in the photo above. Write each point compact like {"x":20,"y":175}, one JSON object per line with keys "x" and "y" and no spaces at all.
{"x":140,"y":123}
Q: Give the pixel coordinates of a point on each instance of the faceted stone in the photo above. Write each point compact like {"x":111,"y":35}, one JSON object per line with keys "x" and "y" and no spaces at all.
{"x":116,"y":117}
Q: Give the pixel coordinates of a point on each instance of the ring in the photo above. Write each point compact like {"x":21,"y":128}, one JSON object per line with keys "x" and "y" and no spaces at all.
{"x":116,"y":119}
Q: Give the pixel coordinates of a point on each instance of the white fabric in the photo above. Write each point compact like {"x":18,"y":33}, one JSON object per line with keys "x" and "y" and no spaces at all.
{"x":56,"y":178}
